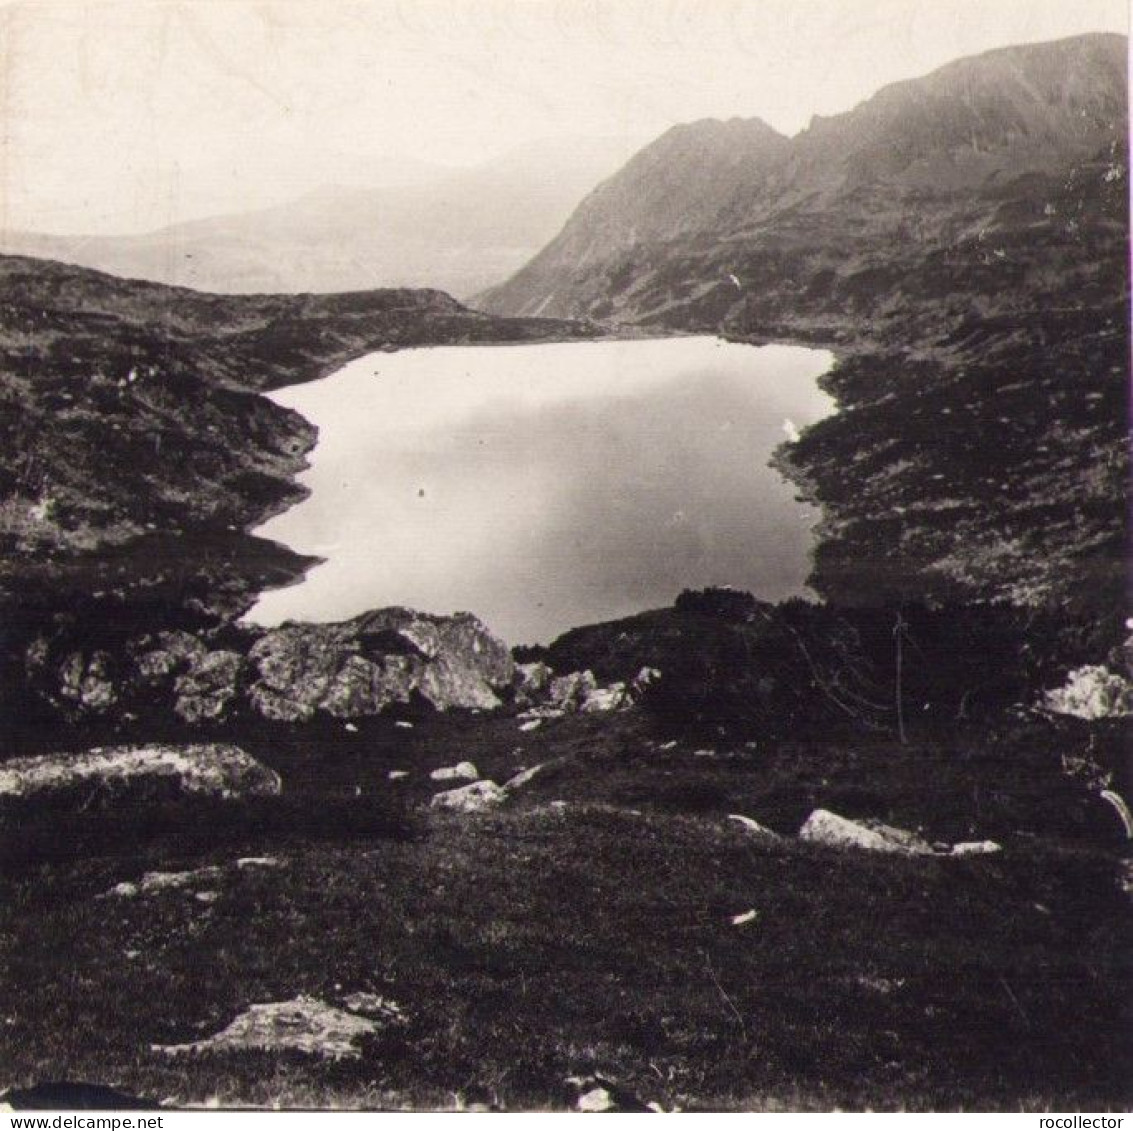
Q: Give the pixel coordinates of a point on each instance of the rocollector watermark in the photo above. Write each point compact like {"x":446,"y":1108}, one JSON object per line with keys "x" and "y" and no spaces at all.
{"x":1074,"y":1122}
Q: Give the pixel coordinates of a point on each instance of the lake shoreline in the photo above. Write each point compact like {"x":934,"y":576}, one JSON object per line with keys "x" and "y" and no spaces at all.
{"x":749,"y":390}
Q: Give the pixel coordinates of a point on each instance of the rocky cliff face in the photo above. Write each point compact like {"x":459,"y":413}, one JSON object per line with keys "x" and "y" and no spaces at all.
{"x":961,"y":241}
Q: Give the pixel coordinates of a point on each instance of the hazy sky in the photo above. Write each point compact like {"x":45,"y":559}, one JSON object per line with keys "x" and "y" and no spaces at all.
{"x":128,"y":115}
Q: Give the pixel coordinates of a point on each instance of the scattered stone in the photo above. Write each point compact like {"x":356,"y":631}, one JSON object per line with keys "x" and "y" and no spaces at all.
{"x":474,"y":798}
{"x":206,"y":896}
{"x":668,"y":745}
{"x":303,"y":1024}
{"x":880,"y":985}
{"x":531,"y":724}
{"x":153,"y":882}
{"x":397,"y":775}
{"x":523,"y":777}
{"x":644,"y":679}
{"x":462,"y":771}
{"x":258,"y":862}
{"x":597,"y":1094}
{"x":403,"y":724}
{"x":138,"y":773}
{"x":825,"y":827}
{"x":753,"y":826}
{"x":975,"y":848}
{"x":595,"y":1100}
{"x":351,"y":728}
{"x":744,"y":918}
{"x":1118,"y":802}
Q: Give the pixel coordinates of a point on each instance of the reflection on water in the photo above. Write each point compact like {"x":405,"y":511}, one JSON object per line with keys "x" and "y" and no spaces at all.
{"x":548,"y":486}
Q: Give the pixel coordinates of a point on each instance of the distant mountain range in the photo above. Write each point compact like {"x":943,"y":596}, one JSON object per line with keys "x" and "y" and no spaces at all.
{"x":702,"y":223}
{"x":459,"y":231}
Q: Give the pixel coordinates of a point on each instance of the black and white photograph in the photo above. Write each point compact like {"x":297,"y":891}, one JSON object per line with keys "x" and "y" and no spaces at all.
{"x":565,"y":556}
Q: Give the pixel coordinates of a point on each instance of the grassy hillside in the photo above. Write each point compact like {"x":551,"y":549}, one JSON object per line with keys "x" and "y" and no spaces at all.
{"x":593,"y":935}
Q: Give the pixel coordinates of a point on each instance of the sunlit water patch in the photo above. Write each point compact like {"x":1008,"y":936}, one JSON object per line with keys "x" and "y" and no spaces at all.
{"x":548,"y":486}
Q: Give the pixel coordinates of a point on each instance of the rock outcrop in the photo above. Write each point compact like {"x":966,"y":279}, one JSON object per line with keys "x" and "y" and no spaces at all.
{"x":304,"y":1024}
{"x":365,"y":665}
{"x":474,"y":798}
{"x":824,"y":827}
{"x":288,"y":674}
{"x":116,"y":774}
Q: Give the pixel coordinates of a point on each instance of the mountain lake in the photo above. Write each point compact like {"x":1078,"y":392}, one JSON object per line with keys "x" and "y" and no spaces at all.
{"x":548,"y":486}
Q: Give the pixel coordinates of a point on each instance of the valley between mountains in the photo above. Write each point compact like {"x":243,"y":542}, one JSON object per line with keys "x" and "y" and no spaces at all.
{"x":867,"y":851}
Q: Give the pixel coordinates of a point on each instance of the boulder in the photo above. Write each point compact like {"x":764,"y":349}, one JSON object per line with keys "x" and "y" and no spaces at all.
{"x":474,"y":798}
{"x":567,"y":693}
{"x":79,"y":683}
{"x":975,"y":848}
{"x":136,"y":774}
{"x":362,"y":666}
{"x":1092,"y":692}
{"x":208,"y":690}
{"x":303,"y":1024}
{"x":172,"y":652}
{"x":753,"y":826}
{"x":825,"y":827}
{"x":462,"y":771}
{"x":611,"y":698}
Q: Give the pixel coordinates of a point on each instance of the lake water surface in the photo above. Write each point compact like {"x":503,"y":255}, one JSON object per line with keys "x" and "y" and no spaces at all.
{"x":548,"y":486}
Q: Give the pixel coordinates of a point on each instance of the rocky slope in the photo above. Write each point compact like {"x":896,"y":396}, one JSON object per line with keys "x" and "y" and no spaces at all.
{"x":961,"y":241}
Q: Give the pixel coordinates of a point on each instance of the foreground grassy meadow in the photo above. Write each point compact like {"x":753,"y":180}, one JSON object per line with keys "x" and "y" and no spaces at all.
{"x":597,"y":923}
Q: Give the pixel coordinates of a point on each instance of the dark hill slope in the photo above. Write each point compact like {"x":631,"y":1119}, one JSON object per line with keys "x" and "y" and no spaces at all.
{"x":134,"y":445}
{"x":961,"y":240}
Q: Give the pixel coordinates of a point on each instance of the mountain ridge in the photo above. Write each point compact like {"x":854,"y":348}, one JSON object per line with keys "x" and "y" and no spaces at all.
{"x":918,"y":137}
{"x":949,"y":238}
